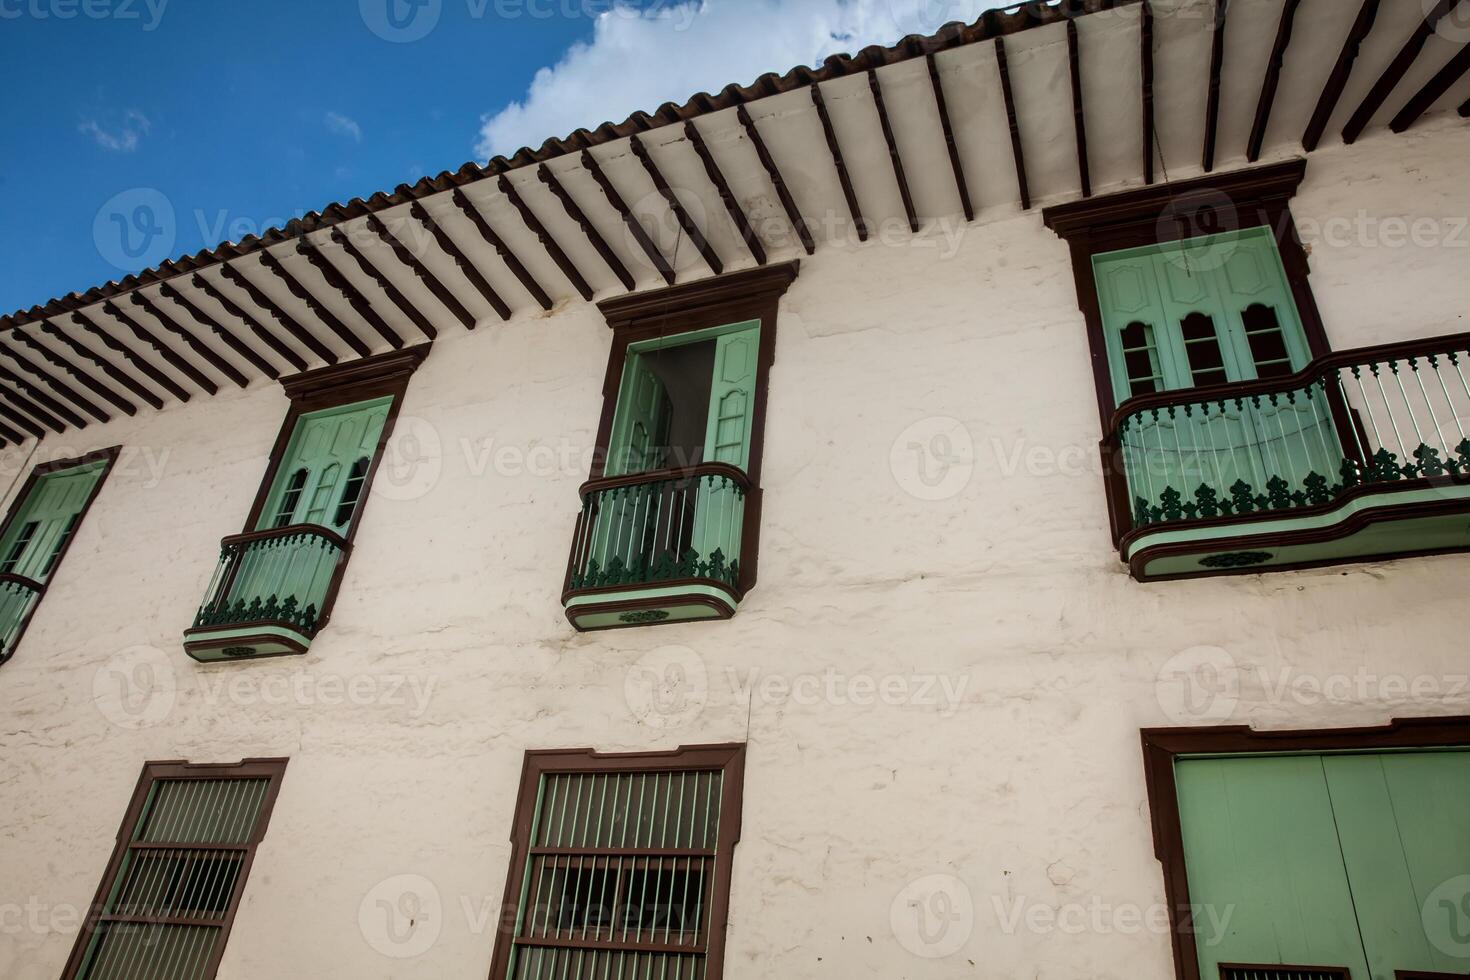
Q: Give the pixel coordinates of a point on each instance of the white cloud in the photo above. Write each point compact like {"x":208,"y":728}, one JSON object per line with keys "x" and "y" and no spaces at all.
{"x":670,"y":51}
{"x":121,"y":136}
{"x":343,"y":126}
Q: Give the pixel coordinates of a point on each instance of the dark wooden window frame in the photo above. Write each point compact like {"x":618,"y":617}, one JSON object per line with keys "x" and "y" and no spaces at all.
{"x":373,"y":377}
{"x":729,"y":758}
{"x":750,"y":295}
{"x":1251,"y":198}
{"x":1163,"y":746}
{"x":273,"y":769}
{"x":109,"y":459}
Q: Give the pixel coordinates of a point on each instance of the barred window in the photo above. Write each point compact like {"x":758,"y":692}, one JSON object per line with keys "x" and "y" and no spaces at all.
{"x":621,"y":867}
{"x":168,"y":897}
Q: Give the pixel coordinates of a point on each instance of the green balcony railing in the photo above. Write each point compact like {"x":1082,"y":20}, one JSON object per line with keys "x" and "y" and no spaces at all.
{"x":1350,"y":422}
{"x":18,"y":597}
{"x":661,"y":526}
{"x":281,"y":576}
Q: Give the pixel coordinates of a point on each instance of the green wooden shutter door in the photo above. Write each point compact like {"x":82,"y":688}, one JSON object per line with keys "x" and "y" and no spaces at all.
{"x":52,"y":504}
{"x":1404,"y":823}
{"x":640,"y":422}
{"x":732,"y":397}
{"x":1258,"y":843}
{"x":325,"y":445}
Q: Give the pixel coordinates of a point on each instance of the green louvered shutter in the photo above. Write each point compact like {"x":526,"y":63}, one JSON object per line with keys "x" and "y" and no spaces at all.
{"x":46,"y":520}
{"x":720,"y":517}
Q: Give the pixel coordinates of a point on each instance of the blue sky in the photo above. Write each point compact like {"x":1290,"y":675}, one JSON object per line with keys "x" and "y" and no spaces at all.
{"x":196,"y":121}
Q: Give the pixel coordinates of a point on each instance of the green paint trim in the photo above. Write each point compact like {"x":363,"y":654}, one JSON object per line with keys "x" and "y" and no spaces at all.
{"x":692,"y":337}
{"x":1354,"y":506}
{"x":667,"y":592}
{"x":208,"y":645}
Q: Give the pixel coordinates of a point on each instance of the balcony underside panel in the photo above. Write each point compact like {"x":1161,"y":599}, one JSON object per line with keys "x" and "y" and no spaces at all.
{"x":1384,"y":524}
{"x":251,"y":640}
{"x":649,"y":606}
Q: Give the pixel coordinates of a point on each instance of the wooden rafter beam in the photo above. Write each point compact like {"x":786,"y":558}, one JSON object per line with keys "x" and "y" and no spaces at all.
{"x":82,"y":350}
{"x":366,"y":267}
{"x":315,"y":254}
{"x":1341,"y":71}
{"x":1009,"y":96}
{"x":11,"y":435}
{"x":1212,"y":96}
{"x":853,"y":209}
{"x":85,"y":378}
{"x":955,"y":164}
{"x":630,"y":221}
{"x":1146,"y":70}
{"x":136,"y":360}
{"x":783,"y":193}
{"x":1395,"y":71}
{"x":727,"y":196}
{"x":43,"y":408}
{"x":284,"y":350}
{"x":496,"y":242}
{"x":1433,"y":90}
{"x":414,"y":264}
{"x":14,"y":415}
{"x":711,"y":258}
{"x":553,"y":249}
{"x":579,"y":218}
{"x":264,"y":302}
{"x":1079,"y":119}
{"x":894,"y":158}
{"x":1272,"y":80}
{"x":227,"y":337}
{"x":194,"y":344}
{"x":274,"y":266}
{"x":56,"y":384}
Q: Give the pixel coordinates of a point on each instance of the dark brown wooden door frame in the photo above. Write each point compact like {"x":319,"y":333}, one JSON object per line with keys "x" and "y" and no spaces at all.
{"x":109,"y":458}
{"x":272,"y":769}
{"x":754,"y":294}
{"x":728,"y":758}
{"x":1162,"y":747}
{"x":341,"y":384}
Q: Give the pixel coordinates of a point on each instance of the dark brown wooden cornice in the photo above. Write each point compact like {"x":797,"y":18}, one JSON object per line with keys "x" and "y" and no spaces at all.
{"x":1080,"y":219}
{"x":1009,"y":96}
{"x":754,"y":287}
{"x":955,"y":165}
{"x":40,"y":405}
{"x":410,"y":310}
{"x":54,"y":383}
{"x":103,"y":364}
{"x":1212,"y":98}
{"x":318,"y":309}
{"x":512,"y":262}
{"x":1338,"y":79}
{"x":1395,"y":71}
{"x":226,"y":337}
{"x":1146,"y":72}
{"x":92,"y":383}
{"x":257,"y":327}
{"x":449,"y":247}
{"x":275,"y":312}
{"x":384,"y":370}
{"x":853,"y":208}
{"x":1433,"y":90}
{"x":1079,"y":118}
{"x":316,"y":256}
{"x":876,"y":87}
{"x":143,"y":334}
{"x":193,"y":343}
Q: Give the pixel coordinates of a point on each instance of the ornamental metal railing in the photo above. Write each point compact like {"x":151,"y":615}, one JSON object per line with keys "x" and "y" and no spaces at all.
{"x":18,"y":598}
{"x":1351,"y":421}
{"x":660,"y":526}
{"x":284,"y":575}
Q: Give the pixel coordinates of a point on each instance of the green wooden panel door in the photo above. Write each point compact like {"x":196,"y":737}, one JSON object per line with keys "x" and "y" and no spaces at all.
{"x":324,"y":469}
{"x":720,"y":517}
{"x":640,"y":431}
{"x":1259,"y":848}
{"x":1404,"y":825}
{"x":46,"y":520}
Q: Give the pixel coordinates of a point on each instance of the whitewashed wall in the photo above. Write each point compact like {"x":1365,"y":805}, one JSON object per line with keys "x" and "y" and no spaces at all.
{"x":979,"y":591}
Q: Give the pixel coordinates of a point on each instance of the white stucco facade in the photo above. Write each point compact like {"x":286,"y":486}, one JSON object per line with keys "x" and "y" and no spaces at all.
{"x":942,"y":671}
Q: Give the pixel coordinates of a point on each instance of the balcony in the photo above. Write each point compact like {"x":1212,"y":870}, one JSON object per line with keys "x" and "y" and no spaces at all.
{"x":270,"y":593}
{"x":1363,"y":454}
{"x":18,"y":598}
{"x":662,"y":546}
